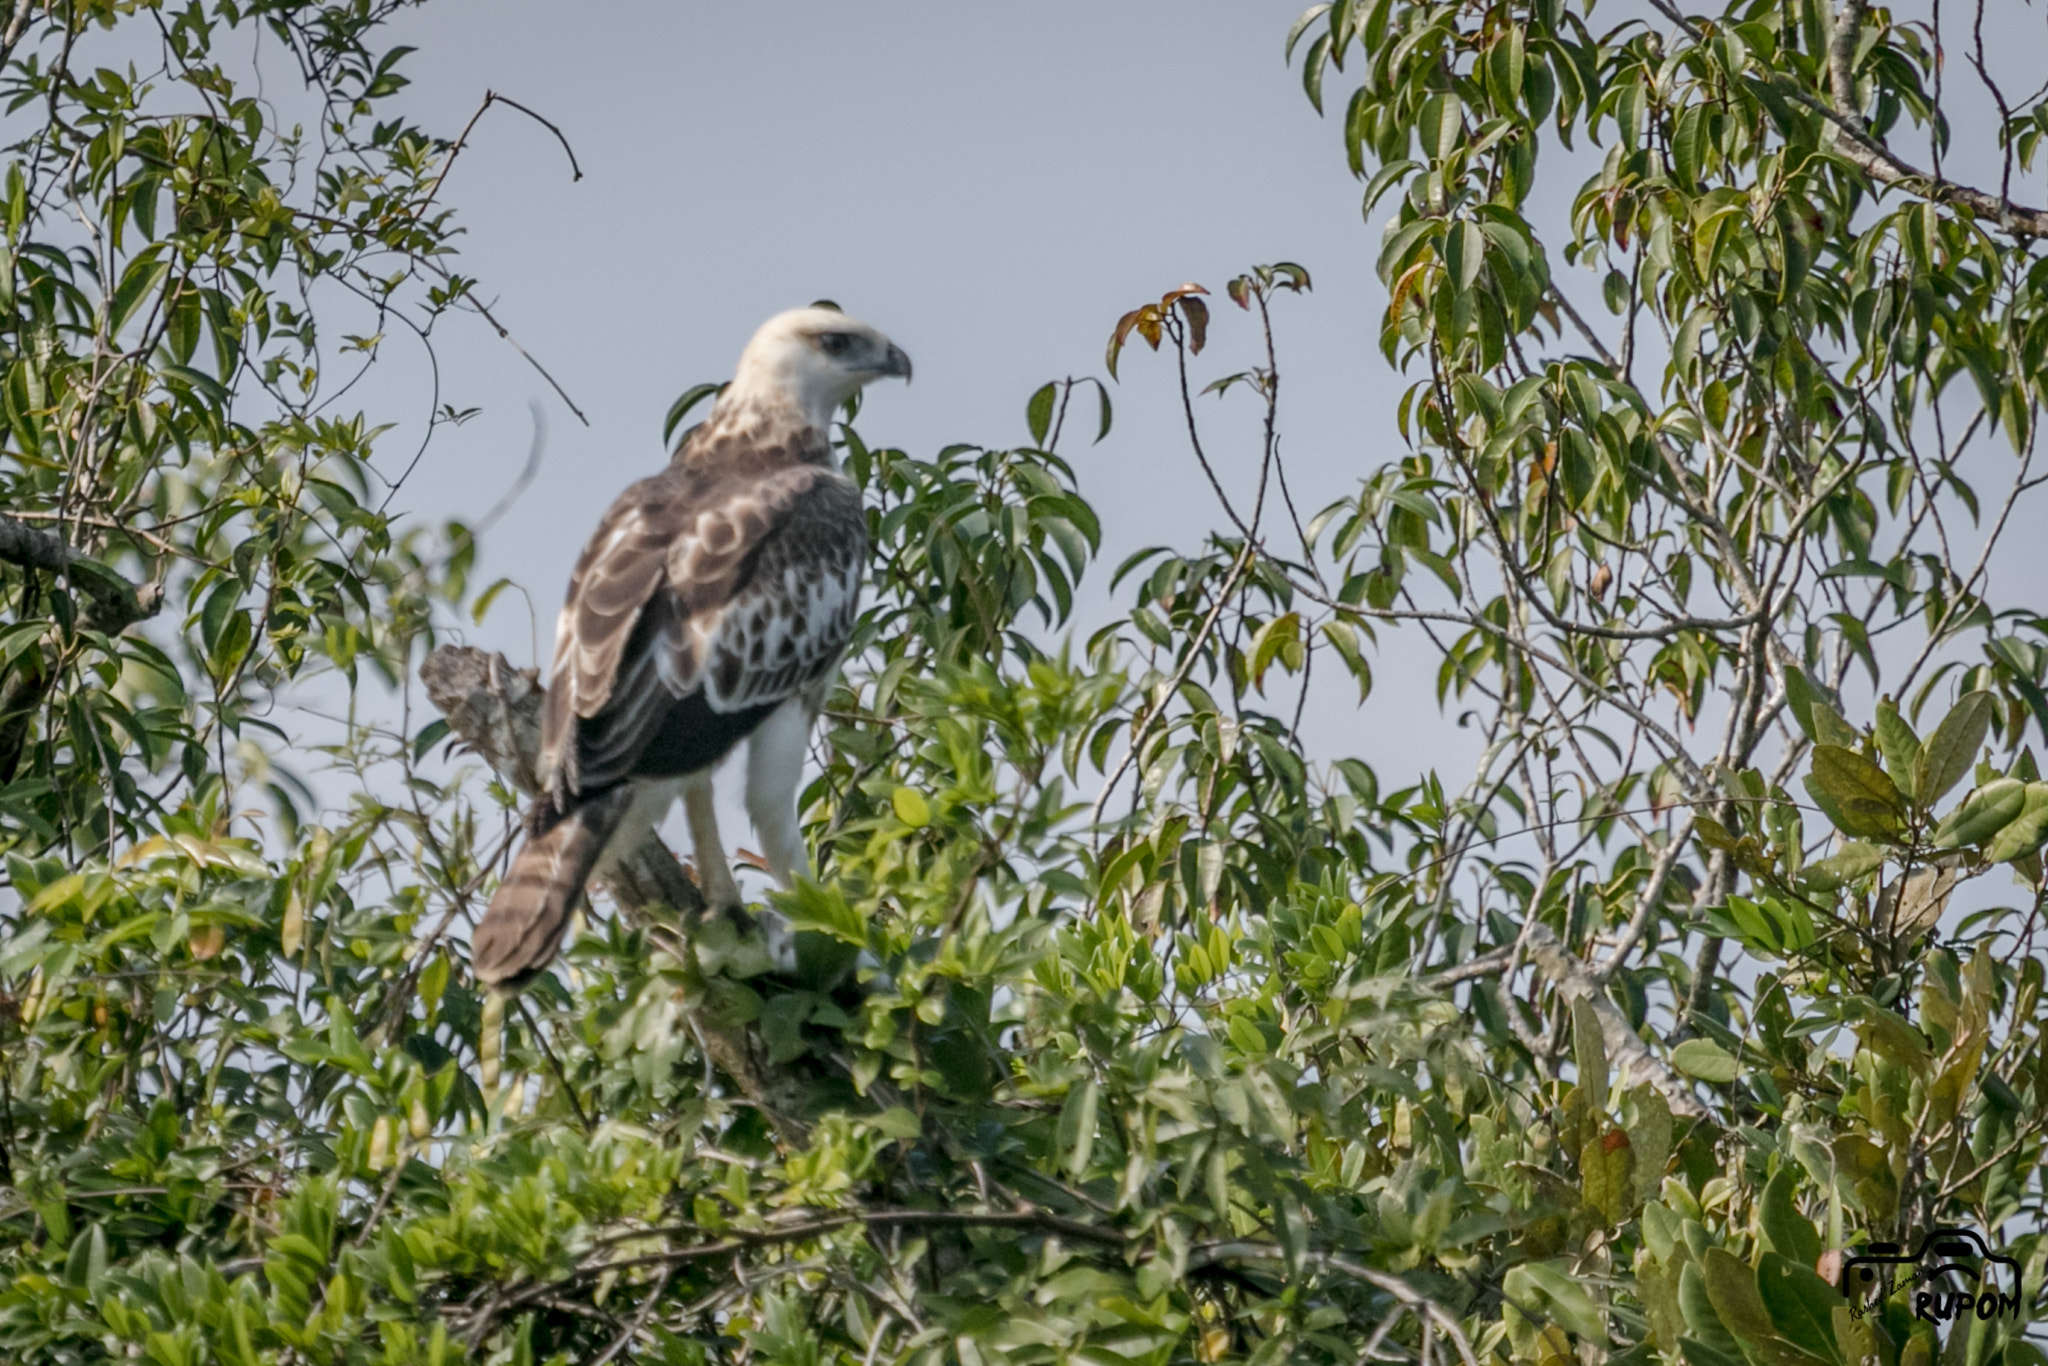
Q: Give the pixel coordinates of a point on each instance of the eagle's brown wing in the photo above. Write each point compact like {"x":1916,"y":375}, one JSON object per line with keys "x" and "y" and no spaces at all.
{"x":702,"y":603}
{"x":733,"y":590}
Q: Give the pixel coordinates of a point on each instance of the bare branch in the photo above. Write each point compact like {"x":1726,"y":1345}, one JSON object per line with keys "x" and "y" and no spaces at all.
{"x":491,"y":97}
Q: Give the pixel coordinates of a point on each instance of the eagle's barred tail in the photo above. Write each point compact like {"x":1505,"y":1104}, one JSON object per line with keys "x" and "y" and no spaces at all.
{"x":523,"y":927}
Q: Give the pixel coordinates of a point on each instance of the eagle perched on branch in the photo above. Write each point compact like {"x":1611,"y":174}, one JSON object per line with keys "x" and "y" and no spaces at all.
{"x":711,"y":606}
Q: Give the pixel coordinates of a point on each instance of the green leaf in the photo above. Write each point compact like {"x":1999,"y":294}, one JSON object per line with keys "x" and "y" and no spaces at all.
{"x":1441,"y":125}
{"x":1889,"y":1035}
{"x":1705,"y":1059}
{"x":1312,"y":68}
{"x":1854,"y":793}
{"x":1387,"y":177}
{"x":824,"y":909}
{"x":1946,"y":758}
{"x":1697,"y":1306}
{"x":1606,"y":1172}
{"x":1590,"y":1050}
{"x":1649,"y":1134}
{"x":1698,"y":1353}
{"x":1038,"y":412}
{"x":430,"y":735}
{"x":1546,"y":1290}
{"x":680,"y":409}
{"x":2025,"y":833}
{"x":138,"y":285}
{"x":1899,"y":745}
{"x":898,"y":1121}
{"x":1983,"y":814}
{"x":1784,"y":1227}
{"x":1279,"y":638}
{"x":482,"y":605}
{"x":1301,"y":25}
{"x":1731,"y":1285}
{"x":1801,"y":1305}
{"x":1816,"y":715}
{"x":1466,"y":253}
{"x":1077,"y":1126}
{"x":1851,"y":862}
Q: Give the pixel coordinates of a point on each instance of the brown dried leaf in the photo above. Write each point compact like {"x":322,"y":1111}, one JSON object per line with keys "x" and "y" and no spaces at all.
{"x":1909,"y":907}
{"x":1197,"y":314}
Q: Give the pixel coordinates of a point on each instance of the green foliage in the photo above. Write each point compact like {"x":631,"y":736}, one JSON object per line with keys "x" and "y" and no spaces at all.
{"x":1122,"y":1026}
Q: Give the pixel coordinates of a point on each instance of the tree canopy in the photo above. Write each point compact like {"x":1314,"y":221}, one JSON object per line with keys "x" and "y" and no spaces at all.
{"x":1125,"y":1026}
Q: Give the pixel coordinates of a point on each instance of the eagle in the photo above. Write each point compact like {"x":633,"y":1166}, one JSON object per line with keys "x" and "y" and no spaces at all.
{"x":710,"y":606}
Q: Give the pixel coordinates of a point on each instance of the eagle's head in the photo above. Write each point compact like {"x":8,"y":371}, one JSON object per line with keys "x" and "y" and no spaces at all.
{"x":813,"y":359}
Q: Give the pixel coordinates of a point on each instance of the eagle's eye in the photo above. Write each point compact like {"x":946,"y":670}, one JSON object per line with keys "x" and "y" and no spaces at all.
{"x":835,"y":343}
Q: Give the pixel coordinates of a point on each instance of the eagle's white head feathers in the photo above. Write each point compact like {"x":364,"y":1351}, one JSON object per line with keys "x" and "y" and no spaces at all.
{"x":811,"y":360}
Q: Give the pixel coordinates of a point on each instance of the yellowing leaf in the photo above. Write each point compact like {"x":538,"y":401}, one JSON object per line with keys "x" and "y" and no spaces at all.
{"x":1855,"y":793}
{"x":206,"y":941}
{"x":1606,"y":1168}
{"x":911,"y":807}
{"x":1911,"y":906}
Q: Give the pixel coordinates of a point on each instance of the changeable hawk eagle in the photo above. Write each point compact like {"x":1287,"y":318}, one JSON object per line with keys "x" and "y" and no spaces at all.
{"x":710,"y":607}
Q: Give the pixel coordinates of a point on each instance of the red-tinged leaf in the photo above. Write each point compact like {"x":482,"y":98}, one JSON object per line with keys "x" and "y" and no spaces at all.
{"x":1240,"y":292}
{"x":1174,"y":296}
{"x":1197,"y":314}
{"x":1120,"y":336}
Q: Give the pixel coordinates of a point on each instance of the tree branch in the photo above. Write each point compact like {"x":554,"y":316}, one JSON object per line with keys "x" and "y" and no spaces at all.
{"x":1881,"y":164}
{"x":1572,"y":980}
{"x":112,"y":604}
{"x":1841,"y":52}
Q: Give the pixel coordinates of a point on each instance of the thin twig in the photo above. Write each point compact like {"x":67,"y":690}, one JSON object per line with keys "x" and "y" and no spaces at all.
{"x":491,"y":97}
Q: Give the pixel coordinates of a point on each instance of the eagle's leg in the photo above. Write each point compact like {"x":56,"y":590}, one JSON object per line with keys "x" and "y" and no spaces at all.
{"x":714,"y":874}
{"x":775,"y":770}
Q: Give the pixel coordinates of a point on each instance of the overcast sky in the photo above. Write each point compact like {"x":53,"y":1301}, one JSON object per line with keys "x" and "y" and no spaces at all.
{"x":991,"y":185}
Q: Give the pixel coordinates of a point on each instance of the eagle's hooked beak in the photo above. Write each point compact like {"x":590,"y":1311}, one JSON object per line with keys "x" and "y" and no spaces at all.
{"x":896,"y":363}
